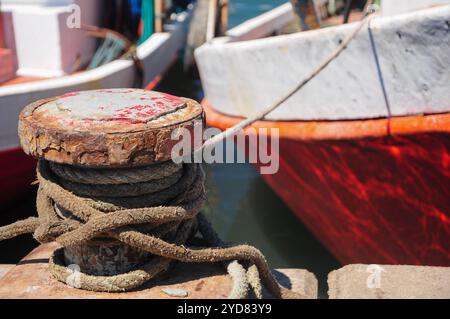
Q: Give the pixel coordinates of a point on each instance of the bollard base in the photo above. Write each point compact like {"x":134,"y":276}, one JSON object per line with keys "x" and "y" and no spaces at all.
{"x":30,"y":279}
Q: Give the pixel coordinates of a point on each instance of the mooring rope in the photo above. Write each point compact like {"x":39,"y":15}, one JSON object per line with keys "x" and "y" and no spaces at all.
{"x":161,"y":229}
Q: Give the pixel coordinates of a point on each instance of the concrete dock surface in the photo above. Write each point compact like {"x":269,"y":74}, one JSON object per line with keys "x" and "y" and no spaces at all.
{"x":30,"y":279}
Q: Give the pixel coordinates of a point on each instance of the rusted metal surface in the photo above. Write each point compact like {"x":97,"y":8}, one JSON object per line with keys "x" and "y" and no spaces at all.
{"x":117,"y":127}
{"x":30,"y":279}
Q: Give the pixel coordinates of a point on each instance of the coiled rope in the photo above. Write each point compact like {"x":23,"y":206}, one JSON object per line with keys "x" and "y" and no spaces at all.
{"x":157,"y":212}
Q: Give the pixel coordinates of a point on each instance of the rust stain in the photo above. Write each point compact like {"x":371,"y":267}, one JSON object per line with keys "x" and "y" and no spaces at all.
{"x":200,"y":285}
{"x":109,"y":141}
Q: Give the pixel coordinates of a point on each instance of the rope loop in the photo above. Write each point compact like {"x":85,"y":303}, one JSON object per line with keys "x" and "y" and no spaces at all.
{"x":73,"y":217}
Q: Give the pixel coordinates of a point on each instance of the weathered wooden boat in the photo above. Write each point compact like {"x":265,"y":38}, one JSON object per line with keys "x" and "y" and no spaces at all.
{"x":45,"y":52}
{"x":365,"y":146}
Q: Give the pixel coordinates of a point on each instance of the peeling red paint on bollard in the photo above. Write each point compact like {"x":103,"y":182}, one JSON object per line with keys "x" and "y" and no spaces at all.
{"x":112,"y":128}
{"x":106,"y":128}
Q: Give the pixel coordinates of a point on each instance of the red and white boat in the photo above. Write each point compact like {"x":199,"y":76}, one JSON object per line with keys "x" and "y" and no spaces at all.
{"x":365,"y":146}
{"x":42,"y":54}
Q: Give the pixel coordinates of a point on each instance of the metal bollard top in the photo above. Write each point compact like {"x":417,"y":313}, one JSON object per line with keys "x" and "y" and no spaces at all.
{"x":115,"y":127}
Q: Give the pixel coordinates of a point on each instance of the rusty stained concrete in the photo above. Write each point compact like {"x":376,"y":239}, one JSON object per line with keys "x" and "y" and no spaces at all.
{"x":389,"y":282}
{"x":30,"y":280}
{"x":108,"y":135}
{"x":4,"y":270}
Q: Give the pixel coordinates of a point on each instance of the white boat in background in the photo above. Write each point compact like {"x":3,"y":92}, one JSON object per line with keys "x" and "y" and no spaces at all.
{"x":364,"y":146}
{"x":250,"y":68}
{"x":156,"y":54}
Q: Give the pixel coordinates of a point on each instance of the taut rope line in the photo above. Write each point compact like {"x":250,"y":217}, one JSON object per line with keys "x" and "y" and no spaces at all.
{"x":266,"y":110}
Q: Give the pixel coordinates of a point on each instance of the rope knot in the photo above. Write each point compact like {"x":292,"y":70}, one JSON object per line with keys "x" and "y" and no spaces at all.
{"x":157,"y":214}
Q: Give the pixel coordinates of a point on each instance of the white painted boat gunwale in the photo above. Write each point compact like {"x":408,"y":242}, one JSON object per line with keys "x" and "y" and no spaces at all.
{"x":254,"y":73}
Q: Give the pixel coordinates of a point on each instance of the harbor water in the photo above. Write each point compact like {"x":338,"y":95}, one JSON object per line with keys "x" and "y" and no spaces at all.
{"x":241,"y":207}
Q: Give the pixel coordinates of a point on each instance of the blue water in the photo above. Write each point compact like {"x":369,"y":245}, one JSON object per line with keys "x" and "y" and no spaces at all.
{"x":241,"y":10}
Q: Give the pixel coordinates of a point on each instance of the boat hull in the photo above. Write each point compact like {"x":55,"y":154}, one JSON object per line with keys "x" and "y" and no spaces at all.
{"x":372,"y":191}
{"x":17,"y":173}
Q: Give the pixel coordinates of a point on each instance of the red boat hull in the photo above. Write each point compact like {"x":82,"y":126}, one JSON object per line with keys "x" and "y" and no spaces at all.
{"x":369,"y":196}
{"x":17,"y":172}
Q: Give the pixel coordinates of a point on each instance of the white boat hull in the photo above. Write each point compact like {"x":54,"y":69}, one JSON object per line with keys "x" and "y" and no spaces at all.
{"x":412,"y":75}
{"x":157,"y":54}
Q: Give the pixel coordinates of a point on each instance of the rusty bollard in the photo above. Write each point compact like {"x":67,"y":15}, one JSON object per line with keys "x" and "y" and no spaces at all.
{"x":114,"y":128}
{"x":96,"y":150}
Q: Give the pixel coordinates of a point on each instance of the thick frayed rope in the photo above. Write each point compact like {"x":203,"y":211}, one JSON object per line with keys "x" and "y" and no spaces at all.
{"x":159,"y":218}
